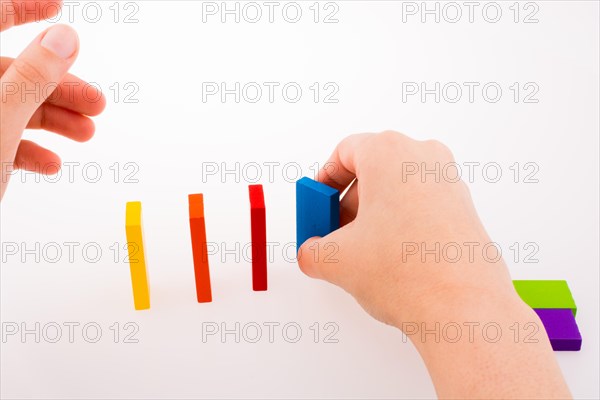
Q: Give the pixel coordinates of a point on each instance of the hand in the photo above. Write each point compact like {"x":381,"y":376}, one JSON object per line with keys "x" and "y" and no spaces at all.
{"x":411,"y":251}
{"x":38,"y":93}
{"x":391,"y":211}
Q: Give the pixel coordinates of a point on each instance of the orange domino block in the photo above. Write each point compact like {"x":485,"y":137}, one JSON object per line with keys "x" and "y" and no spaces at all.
{"x":137,"y":259}
{"x":199,"y":248}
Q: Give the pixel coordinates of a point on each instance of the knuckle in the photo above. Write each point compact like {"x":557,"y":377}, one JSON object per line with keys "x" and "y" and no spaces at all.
{"x":384,"y":144}
{"x":347,"y":141}
{"x":389,"y":136}
{"x":29,"y":73}
{"x":383,"y":141}
{"x":391,"y":139}
{"x":439,"y":148}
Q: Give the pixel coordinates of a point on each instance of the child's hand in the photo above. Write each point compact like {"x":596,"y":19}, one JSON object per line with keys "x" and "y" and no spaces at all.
{"x":37,"y":92}
{"x":397,"y":253}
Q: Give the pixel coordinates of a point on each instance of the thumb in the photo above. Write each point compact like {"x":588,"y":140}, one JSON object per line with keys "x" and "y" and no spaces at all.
{"x":321,"y":258}
{"x":30,"y":79}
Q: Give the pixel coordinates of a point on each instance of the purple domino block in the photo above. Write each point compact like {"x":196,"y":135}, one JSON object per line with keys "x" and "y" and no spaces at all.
{"x":561,"y":328}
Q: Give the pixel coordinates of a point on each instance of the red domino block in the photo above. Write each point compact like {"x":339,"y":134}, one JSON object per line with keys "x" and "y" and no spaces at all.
{"x":199,"y":248}
{"x":258,"y":221}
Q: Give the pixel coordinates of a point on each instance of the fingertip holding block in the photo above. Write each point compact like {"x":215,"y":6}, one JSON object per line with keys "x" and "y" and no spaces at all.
{"x":137,"y":260}
{"x":199,"y":248}
{"x":258,"y":223}
{"x":561,"y":327}
{"x":540,"y":294}
{"x":317,"y":210}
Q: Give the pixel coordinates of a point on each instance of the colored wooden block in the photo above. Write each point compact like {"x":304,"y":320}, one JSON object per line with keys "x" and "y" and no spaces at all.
{"x":546,"y":294}
{"x":199,"y":248}
{"x":317,"y":210}
{"x":137,"y":259}
{"x":561,"y":328}
{"x":258,"y":222}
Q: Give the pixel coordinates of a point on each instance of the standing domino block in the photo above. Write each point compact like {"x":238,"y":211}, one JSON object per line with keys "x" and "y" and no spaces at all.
{"x":137,"y":260}
{"x":317,"y":210}
{"x":561,"y":328}
{"x":546,"y":294}
{"x":258,"y":221}
{"x":199,"y":248}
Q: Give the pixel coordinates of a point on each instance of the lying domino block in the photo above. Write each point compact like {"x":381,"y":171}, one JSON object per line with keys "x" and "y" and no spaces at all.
{"x":546,"y":294}
{"x":258,"y":225}
{"x":561,"y":328}
{"x":317,"y":210}
{"x":137,"y":260}
{"x":199,"y":248}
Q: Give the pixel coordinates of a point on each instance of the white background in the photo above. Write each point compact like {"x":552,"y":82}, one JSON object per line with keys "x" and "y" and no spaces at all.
{"x":171,"y":135}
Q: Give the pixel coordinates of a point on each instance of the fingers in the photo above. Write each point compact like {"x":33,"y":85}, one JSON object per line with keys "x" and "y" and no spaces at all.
{"x":341,"y":172}
{"x":17,"y":12}
{"x":62,"y":121}
{"x":342,"y":166}
{"x":71,"y":93}
{"x":320,"y":258}
{"x":32,"y":157}
{"x":61,"y":113}
{"x":45,"y":61}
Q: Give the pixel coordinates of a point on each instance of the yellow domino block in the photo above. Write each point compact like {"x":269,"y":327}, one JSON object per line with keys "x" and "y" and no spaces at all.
{"x":137,"y":260}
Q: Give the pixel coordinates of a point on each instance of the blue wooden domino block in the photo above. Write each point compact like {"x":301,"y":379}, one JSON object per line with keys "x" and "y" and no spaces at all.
{"x":317,"y":209}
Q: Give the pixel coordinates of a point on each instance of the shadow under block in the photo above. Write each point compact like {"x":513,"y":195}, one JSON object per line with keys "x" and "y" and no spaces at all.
{"x":317,"y":210}
{"x":199,"y":248}
{"x":561,"y":328}
{"x":258,"y":223}
{"x":137,"y":259}
{"x":546,"y":294}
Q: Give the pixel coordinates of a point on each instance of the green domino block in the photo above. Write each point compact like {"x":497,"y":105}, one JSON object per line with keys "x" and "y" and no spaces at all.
{"x":546,"y":294}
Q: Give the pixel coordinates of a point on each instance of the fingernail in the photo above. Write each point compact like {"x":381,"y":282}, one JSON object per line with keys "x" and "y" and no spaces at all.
{"x":61,"y":40}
